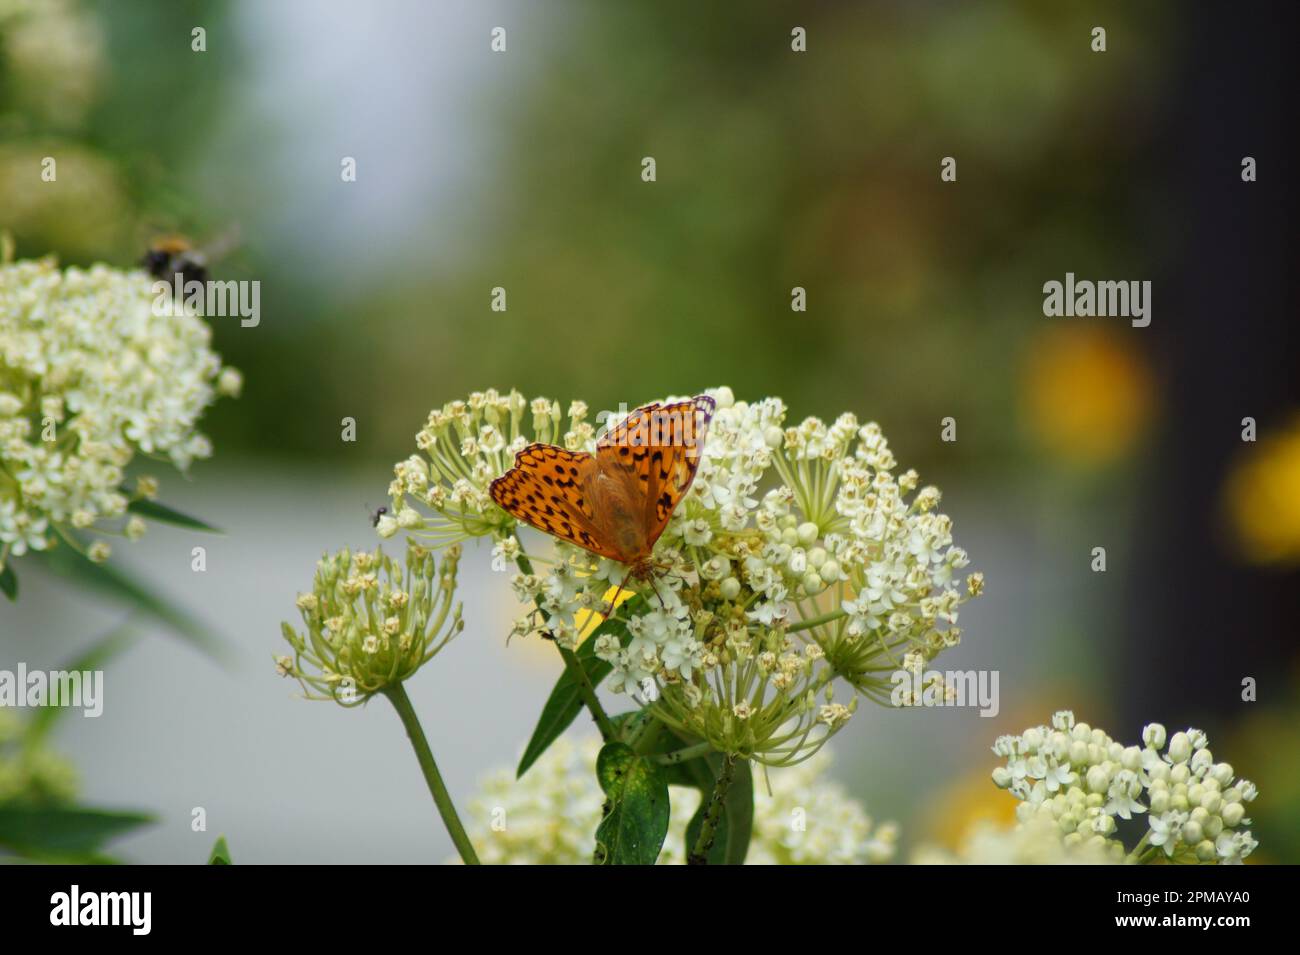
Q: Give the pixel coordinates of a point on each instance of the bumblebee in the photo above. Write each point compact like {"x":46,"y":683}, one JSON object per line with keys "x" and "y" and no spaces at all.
{"x":172,"y":255}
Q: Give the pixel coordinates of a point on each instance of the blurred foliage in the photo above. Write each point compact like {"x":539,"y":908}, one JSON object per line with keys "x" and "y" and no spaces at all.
{"x":40,"y":820}
{"x":775,"y":169}
{"x":1263,"y":748}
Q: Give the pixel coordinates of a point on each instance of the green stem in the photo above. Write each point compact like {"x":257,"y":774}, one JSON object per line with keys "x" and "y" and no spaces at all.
{"x":588,"y":693}
{"x":646,"y":735}
{"x":815,"y":621}
{"x":441,"y":798}
{"x":709,"y":828}
{"x":682,"y":755}
{"x":1140,"y":850}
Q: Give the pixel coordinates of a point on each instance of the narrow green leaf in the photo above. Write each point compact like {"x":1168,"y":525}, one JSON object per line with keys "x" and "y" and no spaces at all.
{"x":636,"y":808}
{"x":731,"y":840}
{"x":565,"y":702}
{"x":9,"y":580}
{"x":112,"y":580}
{"x":94,"y":658}
{"x":220,"y":854}
{"x":161,"y":512}
{"x":31,"y":830}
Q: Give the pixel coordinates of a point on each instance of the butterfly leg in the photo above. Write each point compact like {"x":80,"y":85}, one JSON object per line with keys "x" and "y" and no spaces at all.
{"x":617,"y":593}
{"x":662,"y":605}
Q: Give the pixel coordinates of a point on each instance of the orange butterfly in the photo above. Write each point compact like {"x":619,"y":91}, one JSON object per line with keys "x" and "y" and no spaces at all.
{"x":616,"y":502}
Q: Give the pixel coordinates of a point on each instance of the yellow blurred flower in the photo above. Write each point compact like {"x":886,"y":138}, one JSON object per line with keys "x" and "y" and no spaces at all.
{"x":1087,"y":394}
{"x":964,"y":807}
{"x":1262,"y":496}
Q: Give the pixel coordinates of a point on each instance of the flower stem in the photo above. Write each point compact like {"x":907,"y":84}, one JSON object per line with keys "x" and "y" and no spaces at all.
{"x":682,"y":755}
{"x":709,"y":829}
{"x":588,"y":693}
{"x":441,"y":798}
{"x":815,"y":621}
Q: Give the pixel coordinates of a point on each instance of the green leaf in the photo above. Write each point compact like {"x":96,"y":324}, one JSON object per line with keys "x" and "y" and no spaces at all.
{"x":94,"y":658}
{"x":735,"y":825}
{"x":220,"y":854}
{"x":161,"y":512}
{"x":68,"y":562}
{"x":63,"y":831}
{"x":636,"y":808}
{"x":9,"y":580}
{"x":565,"y":701}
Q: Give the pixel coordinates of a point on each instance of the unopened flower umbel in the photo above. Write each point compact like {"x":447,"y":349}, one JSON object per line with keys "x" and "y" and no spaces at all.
{"x":89,"y":377}
{"x":1084,"y":781}
{"x":370,"y":621}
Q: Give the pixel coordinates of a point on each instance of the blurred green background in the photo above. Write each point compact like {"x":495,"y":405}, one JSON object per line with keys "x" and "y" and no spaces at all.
{"x":775,"y":169}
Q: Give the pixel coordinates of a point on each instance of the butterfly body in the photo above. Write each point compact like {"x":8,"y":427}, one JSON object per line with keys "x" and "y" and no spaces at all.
{"x":616,"y":502}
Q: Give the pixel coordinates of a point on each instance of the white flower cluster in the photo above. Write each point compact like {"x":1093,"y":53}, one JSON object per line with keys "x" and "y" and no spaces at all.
{"x":832,"y":548}
{"x":1084,"y":781}
{"x":549,"y":817}
{"x":1036,"y":841}
{"x":786,"y":530}
{"x":464,"y":446}
{"x":837,"y":529}
{"x":89,"y":376}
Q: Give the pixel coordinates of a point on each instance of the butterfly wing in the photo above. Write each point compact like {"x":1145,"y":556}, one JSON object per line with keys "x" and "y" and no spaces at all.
{"x":546,"y":489}
{"x":656,"y":451}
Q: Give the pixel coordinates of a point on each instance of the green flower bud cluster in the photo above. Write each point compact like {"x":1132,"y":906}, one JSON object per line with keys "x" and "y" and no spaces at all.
{"x":371,"y":621}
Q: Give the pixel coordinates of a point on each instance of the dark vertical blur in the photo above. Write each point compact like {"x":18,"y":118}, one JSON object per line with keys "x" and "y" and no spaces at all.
{"x":1224,"y":335}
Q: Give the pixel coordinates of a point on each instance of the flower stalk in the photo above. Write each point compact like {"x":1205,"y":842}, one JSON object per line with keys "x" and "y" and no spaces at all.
{"x":709,"y":828}
{"x":396,"y":695}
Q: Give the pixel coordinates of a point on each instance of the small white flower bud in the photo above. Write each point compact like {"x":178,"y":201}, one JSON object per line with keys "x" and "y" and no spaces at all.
{"x":1153,"y":735}
{"x":1098,"y":778}
{"x":1232,"y":814}
{"x":1180,"y":747}
{"x":1159,"y":799}
{"x":715,"y":568}
{"x":1131,"y":758}
{"x":730,"y":588}
{"x":807,"y":533}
